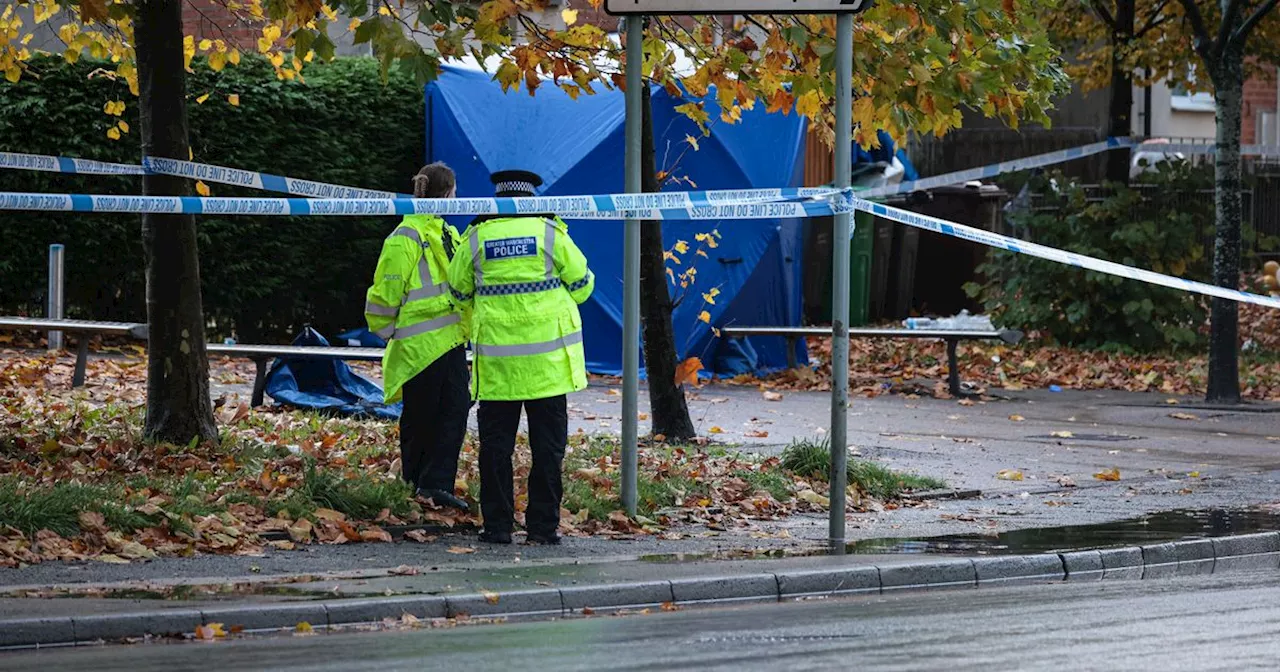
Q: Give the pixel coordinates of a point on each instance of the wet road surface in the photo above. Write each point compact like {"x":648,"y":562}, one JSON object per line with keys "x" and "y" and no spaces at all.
{"x":1194,"y":623}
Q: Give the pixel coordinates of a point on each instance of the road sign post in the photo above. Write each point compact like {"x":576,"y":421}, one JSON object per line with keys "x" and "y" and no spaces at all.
{"x":635,"y":10}
{"x":631,"y":271}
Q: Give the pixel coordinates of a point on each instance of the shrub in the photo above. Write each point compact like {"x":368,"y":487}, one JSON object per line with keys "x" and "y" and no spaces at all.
{"x":263,"y":277}
{"x":1163,"y":224}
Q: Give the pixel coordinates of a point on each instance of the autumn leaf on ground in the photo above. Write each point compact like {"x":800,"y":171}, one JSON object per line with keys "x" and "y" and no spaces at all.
{"x":1066,"y":482}
{"x":1009,"y":475}
{"x":419,"y":536}
{"x":814,"y":498}
{"x":329,"y":514}
{"x":490,"y":596}
{"x":1016,"y":418}
{"x":1184,"y":416}
{"x":1063,"y":435}
{"x":965,"y":402}
{"x":1110,"y":475}
{"x":303,"y":628}
{"x":715,"y":429}
{"x":670,"y":606}
{"x":210,"y":632}
{"x":687,"y":371}
{"x":375,"y":534}
{"x":460,"y":550}
{"x":300,"y":531}
{"x":770,"y":395}
{"x":756,"y":434}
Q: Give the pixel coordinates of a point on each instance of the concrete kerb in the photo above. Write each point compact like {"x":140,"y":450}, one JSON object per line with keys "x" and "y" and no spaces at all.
{"x":1252,"y":551}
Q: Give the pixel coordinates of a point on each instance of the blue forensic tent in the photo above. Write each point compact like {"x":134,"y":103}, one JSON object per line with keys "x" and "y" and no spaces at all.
{"x":578,"y":148}
{"x":325,"y":385}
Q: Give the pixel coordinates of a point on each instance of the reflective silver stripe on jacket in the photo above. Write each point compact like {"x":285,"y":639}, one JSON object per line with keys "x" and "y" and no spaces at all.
{"x":542,"y":348}
{"x":549,"y":250}
{"x":427,"y":326}
{"x":586,"y":280}
{"x":408,"y":232}
{"x":475,"y":256}
{"x":429,"y":289}
{"x":378,"y":309}
{"x":386,"y":332}
{"x":519,"y":288}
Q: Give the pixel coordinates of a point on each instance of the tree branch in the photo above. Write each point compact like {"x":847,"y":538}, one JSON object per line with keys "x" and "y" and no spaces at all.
{"x":1101,"y":10}
{"x":1202,"y":43}
{"x":1247,"y":27}
{"x":1157,"y":17}
{"x":1229,"y":15}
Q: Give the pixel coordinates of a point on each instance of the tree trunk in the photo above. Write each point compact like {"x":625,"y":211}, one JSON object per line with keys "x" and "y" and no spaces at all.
{"x":1120,"y":124}
{"x":1224,"y":366}
{"x":667,"y":405}
{"x":178,"y":405}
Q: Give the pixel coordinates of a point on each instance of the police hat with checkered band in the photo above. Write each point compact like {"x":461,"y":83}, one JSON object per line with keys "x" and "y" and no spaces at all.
{"x":515,"y":183}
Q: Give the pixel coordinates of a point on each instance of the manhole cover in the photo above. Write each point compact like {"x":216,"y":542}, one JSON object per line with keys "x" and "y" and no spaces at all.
{"x":1088,"y":437}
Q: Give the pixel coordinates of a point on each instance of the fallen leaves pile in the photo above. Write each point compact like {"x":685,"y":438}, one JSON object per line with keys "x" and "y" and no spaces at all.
{"x":879,"y":366}
{"x":77,"y":482}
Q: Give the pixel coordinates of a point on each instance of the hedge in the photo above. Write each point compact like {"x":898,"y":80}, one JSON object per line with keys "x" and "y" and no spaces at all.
{"x":263,"y":277}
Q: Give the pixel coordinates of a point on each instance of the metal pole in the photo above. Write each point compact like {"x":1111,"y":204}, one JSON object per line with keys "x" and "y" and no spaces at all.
{"x":55,"y":305}
{"x":631,"y":270}
{"x":840,"y":268}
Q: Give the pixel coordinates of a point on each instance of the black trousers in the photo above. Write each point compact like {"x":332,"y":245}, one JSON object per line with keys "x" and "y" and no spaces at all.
{"x":548,"y":436}
{"x":433,"y":423}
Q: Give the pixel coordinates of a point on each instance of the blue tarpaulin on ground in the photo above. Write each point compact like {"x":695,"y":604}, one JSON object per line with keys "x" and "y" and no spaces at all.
{"x":325,"y":385}
{"x":578,"y":148}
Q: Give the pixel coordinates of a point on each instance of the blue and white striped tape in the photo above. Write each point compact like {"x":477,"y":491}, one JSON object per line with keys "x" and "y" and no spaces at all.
{"x":639,"y":206}
{"x":582,"y":207}
{"x":1184,"y":148}
{"x":998,"y":241}
{"x":994,"y":169}
{"x":62,"y":164}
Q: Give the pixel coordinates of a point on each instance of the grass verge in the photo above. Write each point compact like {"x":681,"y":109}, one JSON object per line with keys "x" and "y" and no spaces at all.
{"x":812,"y":459}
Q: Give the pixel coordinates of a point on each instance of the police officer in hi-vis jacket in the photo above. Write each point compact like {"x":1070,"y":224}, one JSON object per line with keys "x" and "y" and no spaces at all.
{"x":410,"y":306}
{"x":524,"y":277}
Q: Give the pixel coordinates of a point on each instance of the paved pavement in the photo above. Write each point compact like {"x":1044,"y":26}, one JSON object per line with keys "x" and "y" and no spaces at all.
{"x":1229,"y":622}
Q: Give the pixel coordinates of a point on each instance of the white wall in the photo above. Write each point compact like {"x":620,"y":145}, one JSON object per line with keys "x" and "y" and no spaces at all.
{"x":1173,"y":117}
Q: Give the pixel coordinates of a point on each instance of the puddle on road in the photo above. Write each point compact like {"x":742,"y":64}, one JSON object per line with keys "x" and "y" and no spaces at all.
{"x":1151,"y":529}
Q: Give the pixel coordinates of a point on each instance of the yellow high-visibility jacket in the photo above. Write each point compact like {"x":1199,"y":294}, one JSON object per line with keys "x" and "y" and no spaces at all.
{"x":525,"y":278}
{"x":410,"y":305}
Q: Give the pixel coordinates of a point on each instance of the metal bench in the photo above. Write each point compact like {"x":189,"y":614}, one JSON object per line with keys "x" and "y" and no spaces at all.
{"x":953,"y":338}
{"x":260,"y":354}
{"x":79,"y":327}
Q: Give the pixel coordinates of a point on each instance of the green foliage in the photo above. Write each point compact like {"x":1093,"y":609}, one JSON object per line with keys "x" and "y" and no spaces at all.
{"x":263,"y":277}
{"x":812,"y":459}
{"x":1163,"y":223}
{"x":356,"y":494}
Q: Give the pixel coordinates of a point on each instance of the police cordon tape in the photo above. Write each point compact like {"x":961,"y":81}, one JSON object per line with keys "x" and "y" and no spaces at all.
{"x":312,"y":189}
{"x":998,"y":241}
{"x":994,"y":169}
{"x":1054,"y":158}
{"x":663,"y":206}
{"x":606,"y":204}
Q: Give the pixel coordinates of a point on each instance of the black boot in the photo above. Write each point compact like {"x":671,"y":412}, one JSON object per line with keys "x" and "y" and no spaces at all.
{"x":442,"y":498}
{"x":495,"y":537}
{"x":536,"y":539}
